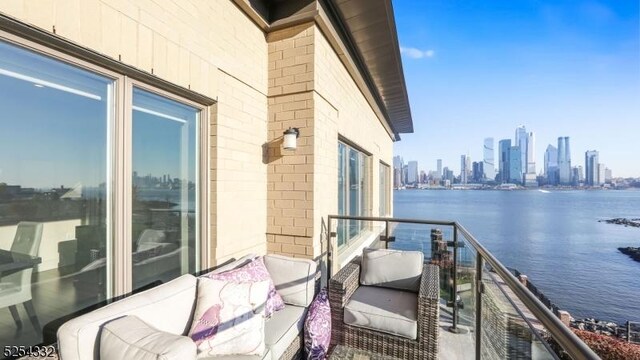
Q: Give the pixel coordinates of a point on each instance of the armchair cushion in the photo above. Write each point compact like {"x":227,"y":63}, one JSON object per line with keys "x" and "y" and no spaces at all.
{"x":131,"y":338}
{"x":294,"y":278}
{"x":392,"y":269}
{"x":386,"y":310}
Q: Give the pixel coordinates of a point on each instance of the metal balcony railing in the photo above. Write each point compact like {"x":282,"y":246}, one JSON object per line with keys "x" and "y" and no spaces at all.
{"x":502,"y":318}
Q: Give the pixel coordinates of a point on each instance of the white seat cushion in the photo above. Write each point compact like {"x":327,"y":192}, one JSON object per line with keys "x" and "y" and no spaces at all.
{"x":386,"y":310}
{"x":283,"y":328}
{"x":392,"y":268}
{"x":131,"y":338}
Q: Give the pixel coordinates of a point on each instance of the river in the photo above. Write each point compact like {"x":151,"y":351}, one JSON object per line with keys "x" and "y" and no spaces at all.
{"x":554,"y":238}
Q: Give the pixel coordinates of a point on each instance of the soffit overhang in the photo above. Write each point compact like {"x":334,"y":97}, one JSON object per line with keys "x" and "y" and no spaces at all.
{"x":367,"y":32}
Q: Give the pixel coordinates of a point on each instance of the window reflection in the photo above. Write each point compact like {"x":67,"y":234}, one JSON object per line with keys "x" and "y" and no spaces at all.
{"x":54,"y":189}
{"x":352,"y":191}
{"x":165,"y":187}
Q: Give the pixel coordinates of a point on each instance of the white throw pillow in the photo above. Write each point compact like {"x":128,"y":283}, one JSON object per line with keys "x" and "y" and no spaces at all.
{"x":229,"y":317}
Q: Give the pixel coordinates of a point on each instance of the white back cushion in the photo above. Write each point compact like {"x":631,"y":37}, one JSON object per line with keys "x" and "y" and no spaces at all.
{"x":392,"y":269}
{"x":168,"y":307}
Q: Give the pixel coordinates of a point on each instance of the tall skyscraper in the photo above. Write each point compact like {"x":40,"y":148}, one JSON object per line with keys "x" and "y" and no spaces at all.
{"x":439,"y":167}
{"x":521,"y":143}
{"x":550,"y":159}
{"x":477,"y":172}
{"x":515,"y":165}
{"x":551,"y":165}
{"x":464,"y":169}
{"x":398,"y":179}
{"x":531,"y":153}
{"x":489,"y":166}
{"x":503,"y":157}
{"x":608,"y":176}
{"x":591,"y":168}
{"x":564,"y":161}
{"x":412,"y":172}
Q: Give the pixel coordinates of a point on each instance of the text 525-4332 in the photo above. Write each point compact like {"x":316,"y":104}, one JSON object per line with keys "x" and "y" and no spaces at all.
{"x":18,"y":351}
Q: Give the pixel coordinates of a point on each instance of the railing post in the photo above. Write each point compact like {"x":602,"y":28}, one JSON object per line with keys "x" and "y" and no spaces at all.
{"x":454,"y":292}
{"x":628,"y":331}
{"x":386,"y":234}
{"x":329,"y":250}
{"x":479,"y":290}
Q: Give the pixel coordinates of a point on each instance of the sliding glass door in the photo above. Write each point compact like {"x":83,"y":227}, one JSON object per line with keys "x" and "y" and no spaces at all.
{"x":56,"y":123}
{"x":100,"y":187}
{"x":165,"y":188}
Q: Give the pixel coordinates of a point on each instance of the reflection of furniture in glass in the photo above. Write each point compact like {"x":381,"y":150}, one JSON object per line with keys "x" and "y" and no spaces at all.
{"x":91,"y":244}
{"x":155,"y":257}
{"x":16,"y":267}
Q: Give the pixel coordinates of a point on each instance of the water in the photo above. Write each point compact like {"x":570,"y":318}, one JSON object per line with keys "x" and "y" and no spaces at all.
{"x":554,"y":238}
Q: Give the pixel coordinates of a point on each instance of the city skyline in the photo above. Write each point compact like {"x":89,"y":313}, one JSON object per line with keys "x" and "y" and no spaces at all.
{"x":563,"y":69}
{"x":554,"y":151}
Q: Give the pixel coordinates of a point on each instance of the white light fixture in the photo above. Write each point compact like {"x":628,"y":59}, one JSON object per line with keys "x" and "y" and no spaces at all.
{"x":290,"y":138}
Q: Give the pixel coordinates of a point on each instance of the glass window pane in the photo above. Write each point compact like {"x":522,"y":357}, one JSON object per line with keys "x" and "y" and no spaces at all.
{"x":165,"y":188}
{"x":55,"y":121}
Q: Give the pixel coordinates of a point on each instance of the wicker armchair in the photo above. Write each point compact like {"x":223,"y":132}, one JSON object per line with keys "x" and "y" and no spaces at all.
{"x":346,"y":282}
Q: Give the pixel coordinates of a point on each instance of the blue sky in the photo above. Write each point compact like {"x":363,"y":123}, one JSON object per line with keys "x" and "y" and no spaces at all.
{"x":477,"y":69}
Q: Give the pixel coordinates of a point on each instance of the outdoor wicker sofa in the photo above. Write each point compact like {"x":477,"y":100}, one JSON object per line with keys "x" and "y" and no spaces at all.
{"x":345,"y":283}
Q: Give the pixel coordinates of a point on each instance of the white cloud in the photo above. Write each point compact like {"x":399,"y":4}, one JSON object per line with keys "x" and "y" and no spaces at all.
{"x":414,"y":53}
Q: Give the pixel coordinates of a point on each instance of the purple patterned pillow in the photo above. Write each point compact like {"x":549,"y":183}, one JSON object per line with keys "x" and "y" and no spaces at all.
{"x":317,"y":327}
{"x":252,"y":272}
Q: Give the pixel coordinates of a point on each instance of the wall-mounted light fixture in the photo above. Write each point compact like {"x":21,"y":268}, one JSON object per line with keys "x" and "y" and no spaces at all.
{"x":290,"y":138}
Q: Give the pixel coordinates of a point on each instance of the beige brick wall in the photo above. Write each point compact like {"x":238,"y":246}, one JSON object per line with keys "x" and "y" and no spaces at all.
{"x":342,"y":110}
{"x":290,"y":177}
{"x":209,"y":46}
{"x":323,"y":100}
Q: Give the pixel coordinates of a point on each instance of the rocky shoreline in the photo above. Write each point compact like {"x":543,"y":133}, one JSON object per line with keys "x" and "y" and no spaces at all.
{"x":633,"y":252}
{"x":607,"y":328}
{"x":623,"y":221}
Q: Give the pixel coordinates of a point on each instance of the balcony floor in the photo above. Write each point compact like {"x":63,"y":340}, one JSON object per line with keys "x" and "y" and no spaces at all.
{"x":454,"y":346}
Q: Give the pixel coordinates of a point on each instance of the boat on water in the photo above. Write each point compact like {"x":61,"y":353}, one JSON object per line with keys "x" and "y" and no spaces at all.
{"x":544,"y":191}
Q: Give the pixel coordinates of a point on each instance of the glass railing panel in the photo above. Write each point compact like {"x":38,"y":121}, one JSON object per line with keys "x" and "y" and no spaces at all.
{"x":466,"y":291}
{"x":508,"y":329}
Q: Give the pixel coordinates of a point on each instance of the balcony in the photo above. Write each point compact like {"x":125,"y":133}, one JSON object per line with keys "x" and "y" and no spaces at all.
{"x":485,"y":312}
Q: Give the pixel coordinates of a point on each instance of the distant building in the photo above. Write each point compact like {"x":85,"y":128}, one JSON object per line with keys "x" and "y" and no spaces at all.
{"x":531,"y":153}
{"x":551,"y":165}
{"x":439,"y":169}
{"x":477,"y":173}
{"x":564,"y":161}
{"x":521,"y":143}
{"x":488,"y":165}
{"x":423,"y":177}
{"x":447,"y":175}
{"x":398,"y":178}
{"x":580,"y":174}
{"x":601,"y":174}
{"x":608,"y":176}
{"x":591,"y":168}
{"x":412,"y":172}
{"x":575,"y":176}
{"x":464,"y":169}
{"x":503,"y":153}
{"x":515,"y":165}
